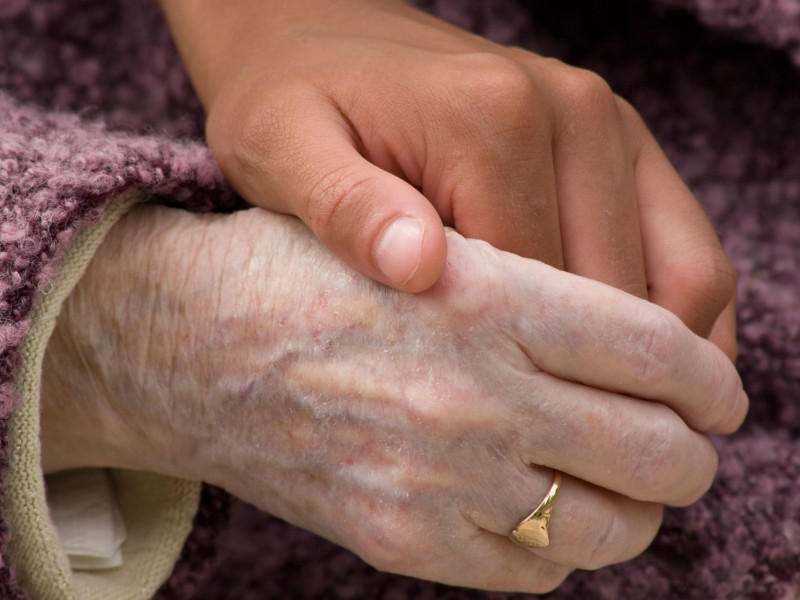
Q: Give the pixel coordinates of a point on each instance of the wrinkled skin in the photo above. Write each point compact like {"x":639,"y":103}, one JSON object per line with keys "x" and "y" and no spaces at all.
{"x":416,"y":430}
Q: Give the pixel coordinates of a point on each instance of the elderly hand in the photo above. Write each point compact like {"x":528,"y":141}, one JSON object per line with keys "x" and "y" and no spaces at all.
{"x":374,"y":123}
{"x":416,"y":430}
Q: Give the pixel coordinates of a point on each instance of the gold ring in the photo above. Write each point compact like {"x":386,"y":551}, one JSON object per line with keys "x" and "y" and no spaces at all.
{"x":532,"y":530}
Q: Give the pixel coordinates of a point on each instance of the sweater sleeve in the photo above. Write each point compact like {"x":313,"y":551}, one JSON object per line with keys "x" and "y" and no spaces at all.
{"x":63,"y":184}
{"x":158,"y":510}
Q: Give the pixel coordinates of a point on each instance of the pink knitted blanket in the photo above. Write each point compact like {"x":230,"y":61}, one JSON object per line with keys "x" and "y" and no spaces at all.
{"x":94,"y":101}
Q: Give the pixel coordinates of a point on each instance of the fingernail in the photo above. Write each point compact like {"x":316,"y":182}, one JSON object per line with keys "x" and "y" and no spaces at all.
{"x":399,"y":249}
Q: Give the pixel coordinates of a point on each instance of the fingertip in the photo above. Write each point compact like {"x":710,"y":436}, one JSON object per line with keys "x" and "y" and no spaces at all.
{"x":398,"y":251}
{"x":728,"y":401}
{"x":410,"y":253}
{"x":736,"y":415}
{"x":740,"y":411}
{"x":723,"y":333}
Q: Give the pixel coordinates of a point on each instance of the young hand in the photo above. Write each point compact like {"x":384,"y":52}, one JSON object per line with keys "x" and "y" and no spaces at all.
{"x":376,"y":124}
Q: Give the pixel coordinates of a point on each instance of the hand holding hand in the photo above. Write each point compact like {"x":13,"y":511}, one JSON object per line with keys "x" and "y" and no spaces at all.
{"x":416,"y":430}
{"x":376,"y":123}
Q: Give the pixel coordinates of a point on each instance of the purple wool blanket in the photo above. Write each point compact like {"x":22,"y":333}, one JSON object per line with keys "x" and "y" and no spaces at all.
{"x":94,"y":102}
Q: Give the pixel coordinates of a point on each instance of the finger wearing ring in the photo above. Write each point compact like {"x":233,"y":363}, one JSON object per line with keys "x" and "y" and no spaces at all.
{"x":532,"y":530}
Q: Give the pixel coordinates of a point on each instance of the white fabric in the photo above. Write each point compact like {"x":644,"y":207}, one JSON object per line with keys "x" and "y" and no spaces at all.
{"x":87,"y":518}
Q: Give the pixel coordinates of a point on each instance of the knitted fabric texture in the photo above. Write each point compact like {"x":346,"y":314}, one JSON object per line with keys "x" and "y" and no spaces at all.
{"x":94,"y":102}
{"x":59,"y":169}
{"x":772,"y":22}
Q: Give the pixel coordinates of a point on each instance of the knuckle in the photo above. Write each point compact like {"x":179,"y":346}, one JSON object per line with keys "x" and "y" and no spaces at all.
{"x":629,"y":114}
{"x":385,"y":540}
{"x":653,"y":347}
{"x":709,"y":275}
{"x":627,"y":531}
{"x":723,"y":412}
{"x":586,"y":93}
{"x":260,"y":136}
{"x":389,"y":554}
{"x":603,"y":549}
{"x":400,"y":524}
{"x":706,"y":281}
{"x":708,"y":470}
{"x":620,"y":531}
{"x":658,"y":463}
{"x":498,"y":89}
{"x":338,"y":197}
{"x":666,"y":469}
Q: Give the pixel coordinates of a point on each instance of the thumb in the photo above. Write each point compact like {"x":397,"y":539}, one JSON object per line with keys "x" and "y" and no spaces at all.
{"x":372,"y":219}
{"x":375,"y":221}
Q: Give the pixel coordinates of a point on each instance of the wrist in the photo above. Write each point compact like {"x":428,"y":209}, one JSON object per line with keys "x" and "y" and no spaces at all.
{"x":217,"y":39}
{"x":104,"y":381}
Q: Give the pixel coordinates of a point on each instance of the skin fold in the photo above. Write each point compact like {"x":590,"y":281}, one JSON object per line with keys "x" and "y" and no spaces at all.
{"x":415,"y":430}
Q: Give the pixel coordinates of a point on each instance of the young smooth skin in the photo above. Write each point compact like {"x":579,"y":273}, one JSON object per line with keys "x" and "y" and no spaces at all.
{"x":416,"y":430}
{"x":376,"y":123}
